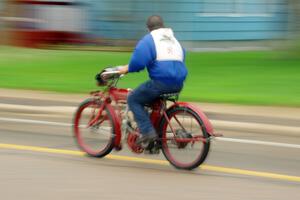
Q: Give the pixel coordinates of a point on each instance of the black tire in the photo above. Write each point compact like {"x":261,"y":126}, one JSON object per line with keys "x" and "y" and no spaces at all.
{"x":80,"y":132}
{"x":166,"y":148}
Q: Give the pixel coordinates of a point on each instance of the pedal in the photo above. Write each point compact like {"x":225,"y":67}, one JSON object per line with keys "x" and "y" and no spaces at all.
{"x":153,"y":148}
{"x":152,"y":151}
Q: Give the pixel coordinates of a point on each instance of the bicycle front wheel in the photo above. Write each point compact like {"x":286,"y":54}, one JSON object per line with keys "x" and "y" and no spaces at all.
{"x":184,"y":138}
{"x":94,"y":129}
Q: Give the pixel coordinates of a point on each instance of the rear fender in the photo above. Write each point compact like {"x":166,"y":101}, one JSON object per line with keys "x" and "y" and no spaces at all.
{"x":207,"y":124}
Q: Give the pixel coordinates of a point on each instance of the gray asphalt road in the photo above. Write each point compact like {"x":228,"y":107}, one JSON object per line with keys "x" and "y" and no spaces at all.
{"x":33,"y":174}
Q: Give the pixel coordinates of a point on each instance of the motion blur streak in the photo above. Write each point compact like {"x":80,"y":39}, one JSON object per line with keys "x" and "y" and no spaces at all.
{"x":259,"y":142}
{"x":158,"y":162}
{"x":224,"y":139}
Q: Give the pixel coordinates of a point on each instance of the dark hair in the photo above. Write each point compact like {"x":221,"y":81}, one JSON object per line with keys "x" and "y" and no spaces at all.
{"x":155,"y":22}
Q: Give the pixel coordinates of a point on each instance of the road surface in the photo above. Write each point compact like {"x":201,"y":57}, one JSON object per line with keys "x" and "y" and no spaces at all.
{"x":40,"y":160}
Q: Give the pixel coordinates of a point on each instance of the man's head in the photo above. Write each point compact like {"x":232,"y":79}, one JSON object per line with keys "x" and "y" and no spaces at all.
{"x":155,"y":22}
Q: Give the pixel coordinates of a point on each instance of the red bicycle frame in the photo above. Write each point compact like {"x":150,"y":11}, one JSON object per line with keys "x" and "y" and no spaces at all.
{"x":119,"y":96}
{"x":181,"y":127}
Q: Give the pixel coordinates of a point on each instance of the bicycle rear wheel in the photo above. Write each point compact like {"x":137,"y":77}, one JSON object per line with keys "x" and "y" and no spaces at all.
{"x":186,"y":147}
{"x":94,"y":133}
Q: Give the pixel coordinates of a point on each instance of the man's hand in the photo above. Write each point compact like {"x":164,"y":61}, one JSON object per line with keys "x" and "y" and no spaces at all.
{"x":123,"y":69}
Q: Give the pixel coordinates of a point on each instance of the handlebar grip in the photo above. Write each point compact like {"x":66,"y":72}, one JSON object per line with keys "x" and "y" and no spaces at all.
{"x":110,"y":72}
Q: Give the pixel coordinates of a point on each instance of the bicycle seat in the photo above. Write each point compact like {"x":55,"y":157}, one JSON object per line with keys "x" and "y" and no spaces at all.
{"x":166,"y":97}
{"x":169,"y":96}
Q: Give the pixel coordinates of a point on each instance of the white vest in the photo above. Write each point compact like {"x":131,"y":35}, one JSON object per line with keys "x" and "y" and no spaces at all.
{"x":166,"y":45}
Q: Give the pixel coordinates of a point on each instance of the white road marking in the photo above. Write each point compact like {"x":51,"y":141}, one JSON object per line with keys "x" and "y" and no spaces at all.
{"x":224,"y":139}
{"x":297,"y":146}
{"x":30,"y":121}
{"x":256,"y":126}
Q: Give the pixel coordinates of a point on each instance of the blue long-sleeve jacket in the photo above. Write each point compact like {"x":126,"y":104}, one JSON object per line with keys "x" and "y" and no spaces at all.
{"x":163,"y":56}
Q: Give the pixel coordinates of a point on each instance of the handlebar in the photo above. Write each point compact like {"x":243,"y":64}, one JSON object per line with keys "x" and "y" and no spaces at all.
{"x":108,"y":78}
{"x":111,"y":75}
{"x":112,"y":72}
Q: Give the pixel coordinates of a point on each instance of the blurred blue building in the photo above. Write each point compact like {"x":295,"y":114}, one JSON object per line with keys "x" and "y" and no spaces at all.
{"x":192,"y":20}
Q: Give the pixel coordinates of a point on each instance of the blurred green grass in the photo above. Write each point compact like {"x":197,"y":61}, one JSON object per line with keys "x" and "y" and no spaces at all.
{"x":258,"y":78}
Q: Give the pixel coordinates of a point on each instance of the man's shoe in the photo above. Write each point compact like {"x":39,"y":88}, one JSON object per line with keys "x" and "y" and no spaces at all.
{"x":145,"y":140}
{"x":152,"y":149}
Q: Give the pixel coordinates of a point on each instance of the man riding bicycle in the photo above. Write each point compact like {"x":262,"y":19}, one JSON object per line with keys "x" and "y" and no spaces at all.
{"x":164,"y":58}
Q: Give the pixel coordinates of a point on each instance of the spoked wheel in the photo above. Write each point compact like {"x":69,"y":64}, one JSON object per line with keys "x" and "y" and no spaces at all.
{"x":186,"y":147}
{"x":94,"y":133}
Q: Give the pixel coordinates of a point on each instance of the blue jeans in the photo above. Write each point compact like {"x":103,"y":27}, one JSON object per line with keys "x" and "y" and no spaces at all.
{"x":146,"y":93}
